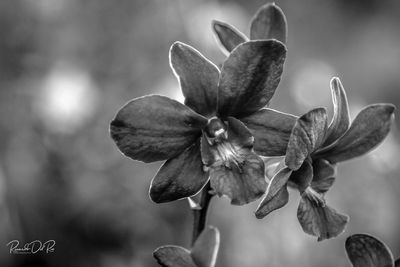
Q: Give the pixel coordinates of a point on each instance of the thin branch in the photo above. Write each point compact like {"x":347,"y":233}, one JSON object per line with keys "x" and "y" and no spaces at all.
{"x":200,"y":213}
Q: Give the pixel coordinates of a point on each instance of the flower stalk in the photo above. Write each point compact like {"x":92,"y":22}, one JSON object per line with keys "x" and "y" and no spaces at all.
{"x":200,"y":212}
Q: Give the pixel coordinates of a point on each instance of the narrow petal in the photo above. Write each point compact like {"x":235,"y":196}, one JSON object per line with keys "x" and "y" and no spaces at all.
{"x":205,"y":249}
{"x":324,"y":175}
{"x":303,"y":176}
{"x":307,"y":135}
{"x":341,"y":116}
{"x":197,"y":76}
{"x":320,"y":220}
{"x":271,"y":130}
{"x":269,"y":23}
{"x":367,"y":251}
{"x":173,"y":256}
{"x":228,"y":37}
{"x":242,"y":183}
{"x":154,"y":128}
{"x":277,"y":195}
{"x":179,"y":177}
{"x":249,"y":77}
{"x":368,"y":129}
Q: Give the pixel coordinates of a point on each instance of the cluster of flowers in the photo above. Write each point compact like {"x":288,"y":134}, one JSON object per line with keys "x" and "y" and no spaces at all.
{"x":224,"y":130}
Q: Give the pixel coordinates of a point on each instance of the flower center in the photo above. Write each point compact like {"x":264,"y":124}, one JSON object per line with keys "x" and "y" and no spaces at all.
{"x":223,"y":149}
{"x":314,"y":196}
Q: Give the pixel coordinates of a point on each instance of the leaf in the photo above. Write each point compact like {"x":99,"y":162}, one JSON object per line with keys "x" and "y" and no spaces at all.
{"x":341,"y":116}
{"x":227,"y":36}
{"x":368,"y":129}
{"x":367,"y":251}
{"x":243,"y":182}
{"x":173,"y":256}
{"x":303,"y":176}
{"x":153,"y":128}
{"x":205,"y":249}
{"x":179,"y":177}
{"x":307,"y":135}
{"x":269,"y":23}
{"x":320,"y":220}
{"x":277,"y":195}
{"x":324,"y":175}
{"x":271,"y":130}
{"x":249,"y":77}
{"x":198,"y":78}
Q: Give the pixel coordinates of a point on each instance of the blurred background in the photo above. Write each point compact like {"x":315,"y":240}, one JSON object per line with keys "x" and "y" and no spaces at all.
{"x":67,"y":66}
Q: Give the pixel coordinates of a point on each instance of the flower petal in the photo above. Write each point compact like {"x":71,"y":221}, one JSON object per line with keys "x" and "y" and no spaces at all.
{"x":249,"y":77}
{"x":242,"y":184}
{"x":367,"y":251}
{"x":154,"y":128}
{"x":320,"y":220}
{"x":368,"y":129}
{"x":271,"y":130}
{"x":307,"y":135}
{"x":205,"y":249}
{"x":197,"y":76}
{"x":179,"y":177}
{"x":173,"y":256}
{"x":341,"y":117}
{"x":277,"y":195}
{"x":303,"y":176}
{"x":269,"y":23}
{"x":228,"y":37}
{"x":324,"y":175}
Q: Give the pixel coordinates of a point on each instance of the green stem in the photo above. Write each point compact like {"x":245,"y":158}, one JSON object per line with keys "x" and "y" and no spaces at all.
{"x":200,"y":214}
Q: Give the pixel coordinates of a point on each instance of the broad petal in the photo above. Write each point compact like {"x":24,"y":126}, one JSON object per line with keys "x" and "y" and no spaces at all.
{"x":277,"y":195}
{"x":320,"y":220}
{"x":341,"y":116}
{"x":205,"y":249}
{"x":307,"y":135}
{"x":179,"y":177}
{"x":197,"y":76}
{"x":173,"y":256}
{"x":324,"y":175}
{"x":242,"y":183}
{"x":269,"y":23}
{"x":227,"y":36}
{"x":154,"y":128}
{"x":249,"y":77}
{"x":367,"y":251}
{"x":303,"y":176}
{"x":368,"y":130}
{"x":271,"y":130}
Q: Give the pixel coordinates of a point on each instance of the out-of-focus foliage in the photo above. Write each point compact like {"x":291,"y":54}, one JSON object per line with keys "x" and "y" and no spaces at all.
{"x":65,"y":68}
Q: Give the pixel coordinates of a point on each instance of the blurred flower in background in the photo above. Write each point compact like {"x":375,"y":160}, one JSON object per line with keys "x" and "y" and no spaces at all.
{"x":67,"y":66}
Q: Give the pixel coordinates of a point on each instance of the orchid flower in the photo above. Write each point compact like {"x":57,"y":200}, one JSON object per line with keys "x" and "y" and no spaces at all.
{"x":215,"y":134}
{"x":314,"y":149}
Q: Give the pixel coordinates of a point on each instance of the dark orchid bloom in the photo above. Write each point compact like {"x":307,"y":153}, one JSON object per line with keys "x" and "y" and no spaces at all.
{"x":211,"y":136}
{"x":269,"y":22}
{"x":367,"y":251}
{"x":313,"y":150}
{"x":203,"y":253}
